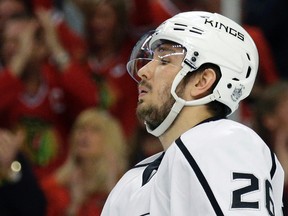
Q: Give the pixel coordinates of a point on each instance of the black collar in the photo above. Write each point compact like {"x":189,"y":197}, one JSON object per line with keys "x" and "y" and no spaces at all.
{"x":150,"y":168}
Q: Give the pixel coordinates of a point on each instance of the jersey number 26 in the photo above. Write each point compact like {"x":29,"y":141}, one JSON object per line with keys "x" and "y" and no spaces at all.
{"x":253,"y":186}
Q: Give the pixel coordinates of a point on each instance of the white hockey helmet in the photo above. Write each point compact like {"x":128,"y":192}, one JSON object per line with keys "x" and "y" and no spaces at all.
{"x":207,"y":38}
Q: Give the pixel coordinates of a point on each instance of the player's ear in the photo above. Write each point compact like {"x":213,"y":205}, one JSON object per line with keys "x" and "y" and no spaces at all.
{"x":202,"y":83}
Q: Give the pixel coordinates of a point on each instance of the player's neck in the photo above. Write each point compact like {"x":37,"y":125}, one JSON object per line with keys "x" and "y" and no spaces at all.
{"x":187,"y":119}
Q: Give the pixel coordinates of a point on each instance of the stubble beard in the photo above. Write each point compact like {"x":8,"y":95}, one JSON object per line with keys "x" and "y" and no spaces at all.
{"x":152,"y":114}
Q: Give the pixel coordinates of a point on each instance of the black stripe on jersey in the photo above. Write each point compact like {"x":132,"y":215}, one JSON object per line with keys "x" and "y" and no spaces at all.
{"x":200,"y":177}
{"x":273,"y":168}
{"x":145,"y":214}
{"x":145,"y":164}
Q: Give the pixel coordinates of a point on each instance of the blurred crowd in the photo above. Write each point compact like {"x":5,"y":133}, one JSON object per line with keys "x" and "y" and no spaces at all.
{"x":68,"y":128}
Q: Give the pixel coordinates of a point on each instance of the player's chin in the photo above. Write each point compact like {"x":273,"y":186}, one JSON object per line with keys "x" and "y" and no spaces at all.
{"x":141,"y":111}
{"x":139,"y":108}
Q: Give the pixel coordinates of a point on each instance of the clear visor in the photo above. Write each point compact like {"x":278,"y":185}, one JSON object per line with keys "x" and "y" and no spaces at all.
{"x":161,"y":55}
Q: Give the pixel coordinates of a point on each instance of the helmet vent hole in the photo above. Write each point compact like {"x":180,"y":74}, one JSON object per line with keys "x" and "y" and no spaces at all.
{"x":248,"y":56}
{"x":192,"y":31}
{"x":248,"y":72}
{"x":229,"y":85}
{"x":179,"y":29}
{"x":197,"y":29}
{"x":183,"y":27}
{"x":235,"y":79}
{"x":179,"y":24}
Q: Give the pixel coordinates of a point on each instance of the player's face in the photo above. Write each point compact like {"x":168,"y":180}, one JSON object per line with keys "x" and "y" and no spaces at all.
{"x":156,"y":77}
{"x":22,"y":33}
{"x":103,"y":24}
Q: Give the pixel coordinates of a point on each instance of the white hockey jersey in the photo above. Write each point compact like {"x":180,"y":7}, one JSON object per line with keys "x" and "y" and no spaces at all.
{"x":216,"y":168}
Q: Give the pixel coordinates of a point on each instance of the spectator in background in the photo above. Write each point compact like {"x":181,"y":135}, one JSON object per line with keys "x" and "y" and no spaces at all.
{"x":109,"y":47}
{"x":20,"y":193}
{"x":95,"y":163}
{"x":40,"y":95}
{"x":109,"y":43}
{"x":26,"y":90}
{"x":271,"y":123}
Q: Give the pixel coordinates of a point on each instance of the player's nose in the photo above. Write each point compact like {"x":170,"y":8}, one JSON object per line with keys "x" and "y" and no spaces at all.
{"x":146,"y":71}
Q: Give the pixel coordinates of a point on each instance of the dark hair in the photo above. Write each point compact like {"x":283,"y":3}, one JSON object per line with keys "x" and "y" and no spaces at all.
{"x":218,"y":109}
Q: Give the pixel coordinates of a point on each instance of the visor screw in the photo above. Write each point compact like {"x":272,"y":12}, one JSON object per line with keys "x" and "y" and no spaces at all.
{"x":196,"y":53}
{"x":193,"y":59}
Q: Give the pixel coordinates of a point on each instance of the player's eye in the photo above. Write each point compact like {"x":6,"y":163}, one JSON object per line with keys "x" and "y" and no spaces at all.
{"x":164,"y":61}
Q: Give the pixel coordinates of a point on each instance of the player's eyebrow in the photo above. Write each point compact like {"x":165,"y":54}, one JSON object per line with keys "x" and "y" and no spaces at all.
{"x":169,"y":49}
{"x":166,"y":47}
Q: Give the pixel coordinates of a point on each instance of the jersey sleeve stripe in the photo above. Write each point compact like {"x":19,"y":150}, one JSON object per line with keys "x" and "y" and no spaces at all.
{"x":200,"y":177}
{"x":273,"y":168}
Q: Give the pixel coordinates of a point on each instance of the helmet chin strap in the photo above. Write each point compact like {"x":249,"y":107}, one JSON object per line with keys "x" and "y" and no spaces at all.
{"x":176,"y":108}
{"x":179,"y":104}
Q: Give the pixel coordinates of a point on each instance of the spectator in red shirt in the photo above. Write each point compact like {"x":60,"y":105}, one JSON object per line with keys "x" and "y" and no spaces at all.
{"x":109,"y":47}
{"x":36,"y":93}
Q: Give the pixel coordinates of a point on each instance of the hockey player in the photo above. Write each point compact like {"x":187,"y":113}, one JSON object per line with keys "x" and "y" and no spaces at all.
{"x":193,"y":71}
